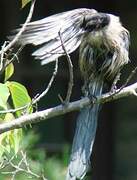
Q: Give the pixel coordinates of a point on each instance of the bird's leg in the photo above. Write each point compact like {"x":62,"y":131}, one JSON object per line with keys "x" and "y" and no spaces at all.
{"x":87,"y":93}
{"x":92,"y":98}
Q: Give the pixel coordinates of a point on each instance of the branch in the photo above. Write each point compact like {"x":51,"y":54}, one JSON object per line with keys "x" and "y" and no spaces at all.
{"x":12,"y":43}
{"x":70,"y":84}
{"x":2,"y":55}
{"x":38,"y":97}
{"x":60,"y":110}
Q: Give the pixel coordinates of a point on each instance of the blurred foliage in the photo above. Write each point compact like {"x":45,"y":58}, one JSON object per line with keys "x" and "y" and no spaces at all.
{"x":53,"y":168}
{"x":12,"y":95}
{"x":24,"y":3}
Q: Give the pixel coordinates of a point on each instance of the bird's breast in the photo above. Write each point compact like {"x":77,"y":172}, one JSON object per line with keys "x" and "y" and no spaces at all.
{"x":95,"y":38}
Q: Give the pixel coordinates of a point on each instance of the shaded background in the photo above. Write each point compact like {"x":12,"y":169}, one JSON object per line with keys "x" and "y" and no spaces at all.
{"x":115,"y":151}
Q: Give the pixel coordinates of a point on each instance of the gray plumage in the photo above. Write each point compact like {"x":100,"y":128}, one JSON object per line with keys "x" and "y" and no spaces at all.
{"x":45,"y":33}
{"x":104,"y":46}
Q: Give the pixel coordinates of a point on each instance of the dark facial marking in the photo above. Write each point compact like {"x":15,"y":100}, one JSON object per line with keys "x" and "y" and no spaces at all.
{"x":96,"y":22}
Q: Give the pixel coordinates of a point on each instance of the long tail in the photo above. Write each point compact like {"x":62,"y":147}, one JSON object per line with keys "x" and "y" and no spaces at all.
{"x":84,"y":136}
{"x":45,"y":33}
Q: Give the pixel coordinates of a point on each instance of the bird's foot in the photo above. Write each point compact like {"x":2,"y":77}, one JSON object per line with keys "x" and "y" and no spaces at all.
{"x":113,"y":88}
{"x":92,"y":98}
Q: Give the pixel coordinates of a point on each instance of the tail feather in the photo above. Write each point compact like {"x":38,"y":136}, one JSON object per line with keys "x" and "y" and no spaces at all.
{"x":84,"y":137}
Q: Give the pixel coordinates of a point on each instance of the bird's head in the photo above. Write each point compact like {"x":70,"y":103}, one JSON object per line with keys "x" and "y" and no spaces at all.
{"x":95,"y":21}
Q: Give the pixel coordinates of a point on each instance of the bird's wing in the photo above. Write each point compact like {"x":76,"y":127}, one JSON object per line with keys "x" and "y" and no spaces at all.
{"x":45,"y":33}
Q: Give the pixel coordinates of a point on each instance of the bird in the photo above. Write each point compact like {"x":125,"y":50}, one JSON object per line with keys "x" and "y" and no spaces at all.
{"x":103,"y":44}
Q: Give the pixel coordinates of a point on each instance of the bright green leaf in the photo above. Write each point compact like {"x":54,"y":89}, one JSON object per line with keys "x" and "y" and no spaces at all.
{"x":10,"y":140}
{"x":24,"y":2}
{"x":9,"y":71}
{"x":17,"y":137}
{"x":9,"y":117}
{"x":4,"y":95}
{"x":20,"y":96}
{"x":3,"y":105}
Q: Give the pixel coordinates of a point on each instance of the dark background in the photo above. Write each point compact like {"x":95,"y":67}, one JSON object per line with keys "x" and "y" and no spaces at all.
{"x":115,"y":151}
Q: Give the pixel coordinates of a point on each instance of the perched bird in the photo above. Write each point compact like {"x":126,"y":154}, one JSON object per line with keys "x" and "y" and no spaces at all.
{"x":103,"y":50}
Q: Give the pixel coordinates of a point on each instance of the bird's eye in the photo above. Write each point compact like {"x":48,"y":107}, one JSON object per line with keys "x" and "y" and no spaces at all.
{"x":95,"y":18}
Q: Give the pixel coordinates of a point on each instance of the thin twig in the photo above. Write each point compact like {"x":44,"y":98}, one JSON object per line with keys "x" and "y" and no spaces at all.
{"x":2,"y":56}
{"x":35,"y":100}
{"x":5,"y":164}
{"x":18,"y":168}
{"x":70,"y":84}
{"x":16,"y":38}
{"x":133,"y":72}
{"x":15,"y":57}
{"x":14,"y":110}
{"x":27,"y":166}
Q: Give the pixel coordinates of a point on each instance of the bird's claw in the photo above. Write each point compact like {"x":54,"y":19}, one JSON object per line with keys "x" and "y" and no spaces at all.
{"x":92,"y":98}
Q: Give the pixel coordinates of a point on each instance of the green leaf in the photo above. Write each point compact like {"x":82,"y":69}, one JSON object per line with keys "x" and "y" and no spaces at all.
{"x":4,"y":95}
{"x":16,"y":137}
{"x":9,"y":71}
{"x":24,"y":3}
{"x":20,"y":96}
{"x":10,"y":141}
